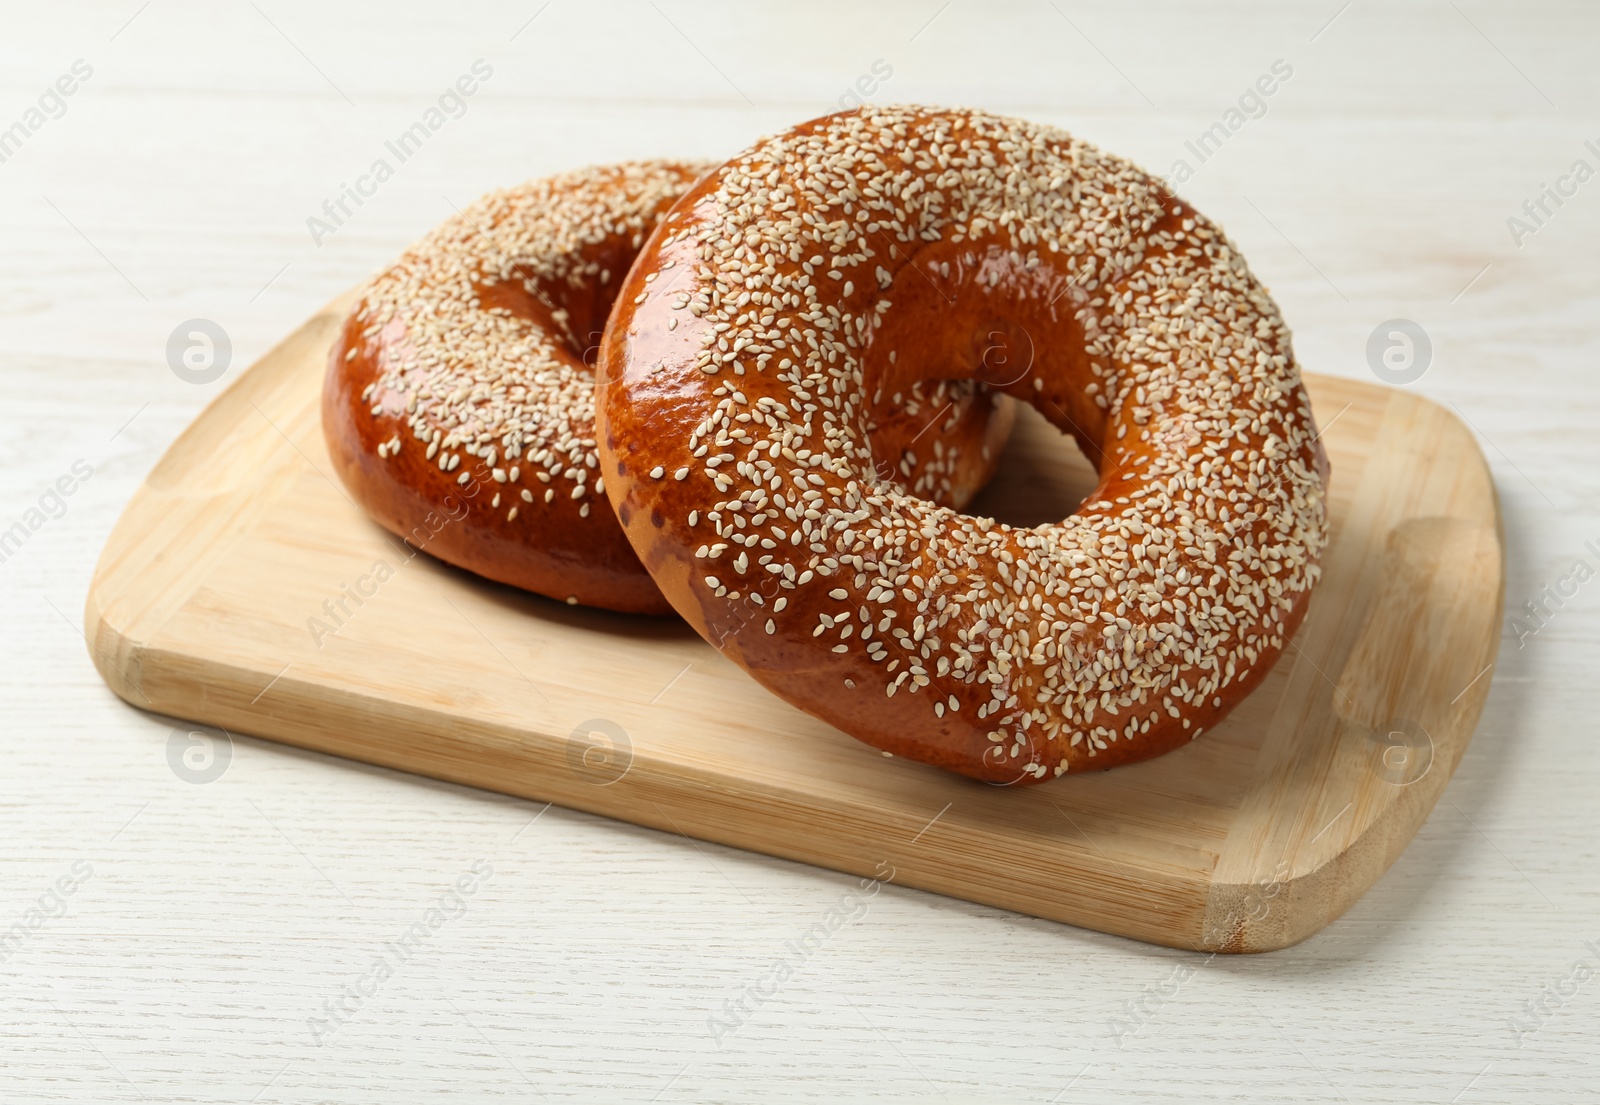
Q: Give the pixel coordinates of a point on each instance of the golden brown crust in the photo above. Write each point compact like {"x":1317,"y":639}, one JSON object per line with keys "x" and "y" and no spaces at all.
{"x":458,"y":404}
{"x":861,"y":252}
{"x":409,"y":496}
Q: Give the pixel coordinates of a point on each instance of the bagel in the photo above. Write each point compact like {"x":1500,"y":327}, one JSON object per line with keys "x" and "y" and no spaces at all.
{"x":865,"y":251}
{"x":458,"y":406}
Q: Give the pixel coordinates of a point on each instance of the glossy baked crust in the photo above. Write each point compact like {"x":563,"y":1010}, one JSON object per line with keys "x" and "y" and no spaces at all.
{"x":458,"y":403}
{"x":465,"y":361}
{"x":860,"y":252}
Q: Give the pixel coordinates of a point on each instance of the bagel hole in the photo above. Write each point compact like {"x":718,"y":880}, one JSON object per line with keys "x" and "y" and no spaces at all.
{"x":1042,"y":476}
{"x":572,"y":310}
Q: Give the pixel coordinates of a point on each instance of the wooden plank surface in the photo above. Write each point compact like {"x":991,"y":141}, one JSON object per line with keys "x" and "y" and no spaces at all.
{"x":220,"y":916}
{"x":243,"y":588}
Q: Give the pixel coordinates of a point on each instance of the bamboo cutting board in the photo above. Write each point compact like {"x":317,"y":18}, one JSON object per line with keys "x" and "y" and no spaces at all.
{"x":224,"y":595}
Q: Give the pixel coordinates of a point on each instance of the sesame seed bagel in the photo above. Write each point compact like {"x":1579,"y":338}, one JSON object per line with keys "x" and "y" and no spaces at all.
{"x":857,"y":253}
{"x":459,"y":401}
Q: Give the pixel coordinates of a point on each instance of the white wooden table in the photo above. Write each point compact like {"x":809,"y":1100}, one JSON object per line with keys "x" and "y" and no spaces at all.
{"x":210,"y":925}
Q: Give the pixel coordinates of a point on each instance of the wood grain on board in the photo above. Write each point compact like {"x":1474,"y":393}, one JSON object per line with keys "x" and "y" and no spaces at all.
{"x":212,"y":602}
